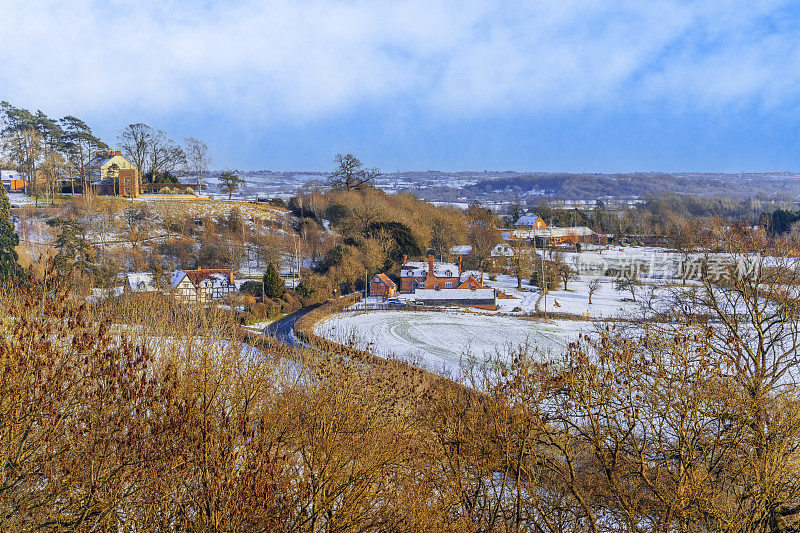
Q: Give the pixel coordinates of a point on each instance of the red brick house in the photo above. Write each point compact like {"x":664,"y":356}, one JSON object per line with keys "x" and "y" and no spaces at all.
{"x":421,"y":275}
{"x":381,"y":285}
{"x":435,"y":275}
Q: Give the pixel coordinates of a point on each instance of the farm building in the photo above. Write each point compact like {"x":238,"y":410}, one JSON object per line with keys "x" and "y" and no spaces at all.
{"x":381,"y":285}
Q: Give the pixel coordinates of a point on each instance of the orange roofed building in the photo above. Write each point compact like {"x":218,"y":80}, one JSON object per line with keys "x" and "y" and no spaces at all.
{"x":381,"y":285}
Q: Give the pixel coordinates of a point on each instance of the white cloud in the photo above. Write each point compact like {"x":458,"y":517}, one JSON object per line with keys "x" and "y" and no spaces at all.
{"x":299,"y":60}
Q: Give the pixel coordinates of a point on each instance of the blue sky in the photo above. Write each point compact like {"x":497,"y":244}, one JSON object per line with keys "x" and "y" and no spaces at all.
{"x":537,"y":85}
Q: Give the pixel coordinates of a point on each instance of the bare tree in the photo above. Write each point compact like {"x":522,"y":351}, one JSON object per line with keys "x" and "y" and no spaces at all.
{"x":565,"y":272}
{"x":197,"y":159}
{"x":628,"y":280}
{"x":350,"y":174}
{"x":136,"y":141}
{"x":594,"y":286}
{"x":165,"y":156}
{"x":150,"y":150}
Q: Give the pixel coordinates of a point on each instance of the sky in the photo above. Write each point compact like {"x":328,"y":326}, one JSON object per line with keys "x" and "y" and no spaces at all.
{"x":537,"y":85}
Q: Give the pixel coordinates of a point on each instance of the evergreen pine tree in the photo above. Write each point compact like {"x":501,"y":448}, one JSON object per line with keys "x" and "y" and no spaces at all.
{"x":9,"y":268}
{"x":273,"y":284}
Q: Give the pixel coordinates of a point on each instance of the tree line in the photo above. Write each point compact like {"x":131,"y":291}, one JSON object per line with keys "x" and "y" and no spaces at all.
{"x":57,"y":156}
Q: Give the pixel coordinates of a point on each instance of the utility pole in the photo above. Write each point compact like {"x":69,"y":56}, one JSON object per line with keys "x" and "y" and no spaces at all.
{"x":544,"y":287}
{"x":365,"y":290}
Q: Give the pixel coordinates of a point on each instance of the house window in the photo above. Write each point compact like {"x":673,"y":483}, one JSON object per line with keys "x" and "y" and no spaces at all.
{"x":415,"y":284}
{"x":448,"y":273}
{"x":448,"y":284}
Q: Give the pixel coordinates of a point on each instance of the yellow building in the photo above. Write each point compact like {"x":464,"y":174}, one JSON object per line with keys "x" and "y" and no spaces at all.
{"x":113,"y":174}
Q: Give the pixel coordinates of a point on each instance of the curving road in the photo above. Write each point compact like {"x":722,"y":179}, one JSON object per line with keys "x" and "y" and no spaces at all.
{"x":283,"y":329}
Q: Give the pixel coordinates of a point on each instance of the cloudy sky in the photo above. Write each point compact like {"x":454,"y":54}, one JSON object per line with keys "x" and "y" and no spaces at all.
{"x":612,"y":85}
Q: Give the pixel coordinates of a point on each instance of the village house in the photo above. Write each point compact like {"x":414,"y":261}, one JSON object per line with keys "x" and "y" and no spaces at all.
{"x":191,"y":286}
{"x":442,"y":284}
{"x":139,"y":282}
{"x":381,"y":285}
{"x":530,"y":222}
{"x":114,"y":175}
{"x":429,"y":275}
{"x":200,"y":286}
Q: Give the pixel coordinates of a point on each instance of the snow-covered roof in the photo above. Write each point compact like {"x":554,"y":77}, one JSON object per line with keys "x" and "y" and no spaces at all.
{"x":10,"y":175}
{"x":527,"y":220}
{"x":578,"y":231}
{"x":417,"y":269}
{"x":462,"y":249}
{"x":502,"y":250}
{"x":465,"y":275}
{"x":177,"y":277}
{"x":453,"y":294}
{"x":140,"y":281}
{"x":216,"y":281}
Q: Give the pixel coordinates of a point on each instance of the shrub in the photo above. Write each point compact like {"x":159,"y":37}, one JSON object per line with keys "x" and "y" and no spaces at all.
{"x":252,"y":288}
{"x":189,"y":190}
{"x":165,"y":190}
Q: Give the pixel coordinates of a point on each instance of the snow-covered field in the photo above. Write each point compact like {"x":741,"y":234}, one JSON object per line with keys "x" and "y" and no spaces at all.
{"x":607,"y":302}
{"x":437,"y":340}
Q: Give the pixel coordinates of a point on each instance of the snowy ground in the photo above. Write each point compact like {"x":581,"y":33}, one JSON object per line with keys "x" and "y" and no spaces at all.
{"x":438,"y":340}
{"x":18,"y":198}
{"x":607,"y":302}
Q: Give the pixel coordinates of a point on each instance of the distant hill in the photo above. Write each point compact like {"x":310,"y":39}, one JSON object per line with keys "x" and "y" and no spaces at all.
{"x":507,"y":186}
{"x":622,"y":186}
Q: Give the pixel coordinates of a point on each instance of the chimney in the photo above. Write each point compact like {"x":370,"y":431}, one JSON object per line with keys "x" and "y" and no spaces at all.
{"x":431,"y":277}
{"x":199,"y":268}
{"x":117,"y":152}
{"x":405,"y":259}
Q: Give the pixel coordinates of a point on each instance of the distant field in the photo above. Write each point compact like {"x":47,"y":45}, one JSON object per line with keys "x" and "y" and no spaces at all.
{"x":437,"y":340}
